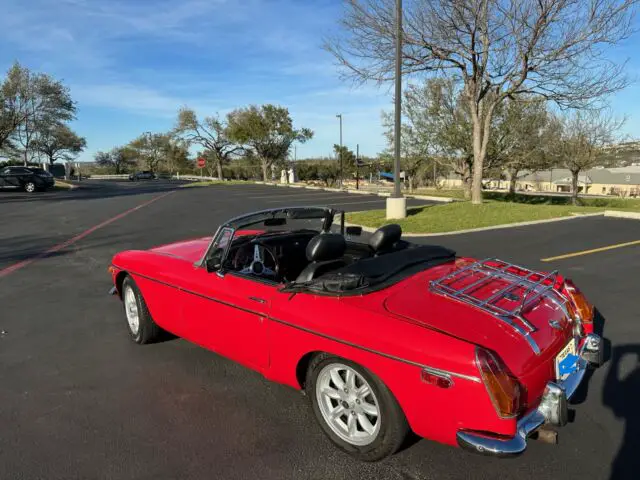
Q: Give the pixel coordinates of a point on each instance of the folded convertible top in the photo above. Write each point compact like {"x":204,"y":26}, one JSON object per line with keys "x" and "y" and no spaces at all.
{"x":375,"y":273}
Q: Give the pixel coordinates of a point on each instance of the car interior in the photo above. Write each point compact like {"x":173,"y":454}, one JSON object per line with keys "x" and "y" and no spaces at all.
{"x":302,"y":256}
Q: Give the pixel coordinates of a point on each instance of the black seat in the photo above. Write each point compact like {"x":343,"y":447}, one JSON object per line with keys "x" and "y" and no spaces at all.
{"x":325,"y":252}
{"x":385,"y":239}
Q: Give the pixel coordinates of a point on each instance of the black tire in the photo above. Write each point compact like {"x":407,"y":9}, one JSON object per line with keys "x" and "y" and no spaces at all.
{"x":393,"y":428}
{"x":29,"y":187}
{"x":148,"y":330}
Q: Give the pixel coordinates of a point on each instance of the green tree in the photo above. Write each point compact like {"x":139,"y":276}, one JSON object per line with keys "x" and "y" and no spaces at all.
{"x":348,"y":159}
{"x":41,"y":102}
{"x":524,"y":137}
{"x":151,"y":149}
{"x":13,"y":110}
{"x":211,"y":134}
{"x":176,"y":156}
{"x":58,"y":142}
{"x":268,"y":130}
{"x":494,"y":49}
{"x":120,"y":159}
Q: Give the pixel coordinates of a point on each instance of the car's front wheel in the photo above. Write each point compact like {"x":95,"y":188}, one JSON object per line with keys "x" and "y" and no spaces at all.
{"x":355,"y":409}
{"x":29,"y":187}
{"x":141,"y":326}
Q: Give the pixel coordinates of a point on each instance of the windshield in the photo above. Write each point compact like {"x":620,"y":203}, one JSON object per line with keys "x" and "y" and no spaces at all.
{"x":287,"y":219}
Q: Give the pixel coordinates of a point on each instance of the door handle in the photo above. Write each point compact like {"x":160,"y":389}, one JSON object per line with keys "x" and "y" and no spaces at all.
{"x":259,"y":300}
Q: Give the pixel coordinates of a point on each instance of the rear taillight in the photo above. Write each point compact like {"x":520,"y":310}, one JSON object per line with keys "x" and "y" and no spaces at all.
{"x":504,"y":389}
{"x":581,"y":305}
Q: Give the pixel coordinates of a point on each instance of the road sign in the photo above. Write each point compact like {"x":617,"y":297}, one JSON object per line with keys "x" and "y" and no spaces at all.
{"x":201,"y":162}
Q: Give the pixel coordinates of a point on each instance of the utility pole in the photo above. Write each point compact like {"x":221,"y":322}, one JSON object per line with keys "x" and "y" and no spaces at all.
{"x":340,"y":178}
{"x":357,"y":166}
{"x":397,"y":204}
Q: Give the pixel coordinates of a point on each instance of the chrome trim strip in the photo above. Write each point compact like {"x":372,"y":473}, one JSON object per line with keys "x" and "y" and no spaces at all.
{"x":433,"y":370}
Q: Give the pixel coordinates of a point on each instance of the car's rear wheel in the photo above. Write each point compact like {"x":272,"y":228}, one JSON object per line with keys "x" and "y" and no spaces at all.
{"x":29,"y":187}
{"x":355,"y":409}
{"x":141,"y":326}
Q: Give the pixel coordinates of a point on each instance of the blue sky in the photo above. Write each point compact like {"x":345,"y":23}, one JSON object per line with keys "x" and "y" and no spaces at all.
{"x":131,"y":64}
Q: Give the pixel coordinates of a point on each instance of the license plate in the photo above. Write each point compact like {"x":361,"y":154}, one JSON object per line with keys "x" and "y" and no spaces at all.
{"x":566,"y":361}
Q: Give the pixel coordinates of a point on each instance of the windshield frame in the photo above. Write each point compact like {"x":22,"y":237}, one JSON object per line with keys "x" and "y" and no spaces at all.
{"x":253,"y":218}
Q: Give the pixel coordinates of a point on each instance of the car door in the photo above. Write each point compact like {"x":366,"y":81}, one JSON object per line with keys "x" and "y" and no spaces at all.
{"x":11,"y":178}
{"x":226,"y":312}
{"x":3,"y":174}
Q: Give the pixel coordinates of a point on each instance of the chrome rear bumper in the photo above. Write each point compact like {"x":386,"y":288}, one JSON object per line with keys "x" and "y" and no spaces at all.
{"x":552,"y":409}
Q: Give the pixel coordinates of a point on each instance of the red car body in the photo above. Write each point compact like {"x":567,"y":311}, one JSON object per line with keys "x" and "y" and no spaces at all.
{"x":418,"y":336}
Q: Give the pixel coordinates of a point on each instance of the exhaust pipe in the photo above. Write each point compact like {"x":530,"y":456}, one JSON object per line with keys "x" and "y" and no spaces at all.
{"x":546,"y":435}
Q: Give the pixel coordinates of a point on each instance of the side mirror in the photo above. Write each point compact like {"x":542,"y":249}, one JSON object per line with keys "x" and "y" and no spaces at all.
{"x":214,"y":263}
{"x":353,"y":231}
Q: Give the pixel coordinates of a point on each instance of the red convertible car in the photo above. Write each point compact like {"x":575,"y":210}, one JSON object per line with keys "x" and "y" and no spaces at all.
{"x":384,"y":336}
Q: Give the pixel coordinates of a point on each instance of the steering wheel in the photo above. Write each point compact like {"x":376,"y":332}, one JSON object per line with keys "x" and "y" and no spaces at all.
{"x":257,"y":266}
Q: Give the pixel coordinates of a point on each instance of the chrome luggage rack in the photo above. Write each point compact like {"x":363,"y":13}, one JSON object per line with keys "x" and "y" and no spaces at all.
{"x":534,"y":285}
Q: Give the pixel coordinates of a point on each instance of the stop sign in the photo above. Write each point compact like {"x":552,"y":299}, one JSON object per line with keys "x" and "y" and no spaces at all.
{"x":201,"y":162}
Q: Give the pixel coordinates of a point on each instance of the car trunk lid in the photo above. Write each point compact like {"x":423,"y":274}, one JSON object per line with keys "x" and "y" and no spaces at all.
{"x":480,"y":313}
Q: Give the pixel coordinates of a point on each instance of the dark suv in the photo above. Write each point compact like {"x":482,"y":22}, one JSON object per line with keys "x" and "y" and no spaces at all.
{"x":144,"y":175}
{"x":28,"y":179}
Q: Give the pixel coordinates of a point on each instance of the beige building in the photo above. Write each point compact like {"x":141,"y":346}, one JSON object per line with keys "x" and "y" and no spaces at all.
{"x":621,"y":181}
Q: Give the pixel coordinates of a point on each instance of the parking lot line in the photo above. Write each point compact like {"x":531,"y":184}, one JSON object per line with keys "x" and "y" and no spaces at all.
{"x":593,"y":250}
{"x":56,"y":248}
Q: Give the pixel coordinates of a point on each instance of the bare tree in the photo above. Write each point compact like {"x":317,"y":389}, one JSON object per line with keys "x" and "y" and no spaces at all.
{"x":584,"y":136}
{"x":495,"y":48}
{"x":210,"y":133}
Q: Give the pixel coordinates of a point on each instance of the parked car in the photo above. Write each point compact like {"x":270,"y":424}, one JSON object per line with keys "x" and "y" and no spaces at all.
{"x":385,"y":336}
{"x":28,"y":179}
{"x":144,"y":175}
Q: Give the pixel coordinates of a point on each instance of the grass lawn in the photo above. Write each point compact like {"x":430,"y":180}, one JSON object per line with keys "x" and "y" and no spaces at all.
{"x":208,"y":183}
{"x":463,"y":215}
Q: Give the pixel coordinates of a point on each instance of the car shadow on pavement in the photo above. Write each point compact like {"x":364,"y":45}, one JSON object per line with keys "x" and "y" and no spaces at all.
{"x":621,"y":393}
{"x":598,"y":327}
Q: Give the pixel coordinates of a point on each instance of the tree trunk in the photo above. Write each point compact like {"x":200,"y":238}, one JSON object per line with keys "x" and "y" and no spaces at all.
{"x":264,"y":170}
{"x":219,"y":167}
{"x":481,"y":115}
{"x":513,"y":177}
{"x":574,"y":187}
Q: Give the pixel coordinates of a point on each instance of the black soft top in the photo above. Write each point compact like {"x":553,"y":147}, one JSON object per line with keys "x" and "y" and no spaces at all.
{"x":375,"y":273}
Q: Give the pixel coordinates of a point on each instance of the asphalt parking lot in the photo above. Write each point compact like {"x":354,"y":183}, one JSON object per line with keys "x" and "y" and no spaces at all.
{"x":79,"y":400}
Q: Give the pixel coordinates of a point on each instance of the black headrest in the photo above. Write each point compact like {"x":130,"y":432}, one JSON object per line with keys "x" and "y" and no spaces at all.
{"x":385,"y":237}
{"x":326,"y":246}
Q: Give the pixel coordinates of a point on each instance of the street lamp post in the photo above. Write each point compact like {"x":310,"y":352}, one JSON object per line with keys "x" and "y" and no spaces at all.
{"x":340,"y":153}
{"x":397,"y":204}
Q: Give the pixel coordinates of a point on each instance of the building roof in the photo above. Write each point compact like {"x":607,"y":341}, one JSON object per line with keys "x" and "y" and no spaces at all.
{"x":610,"y":176}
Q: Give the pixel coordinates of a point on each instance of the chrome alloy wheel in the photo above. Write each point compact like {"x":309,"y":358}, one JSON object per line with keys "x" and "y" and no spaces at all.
{"x":131,"y":309}
{"x":30,"y":187}
{"x":348,"y":404}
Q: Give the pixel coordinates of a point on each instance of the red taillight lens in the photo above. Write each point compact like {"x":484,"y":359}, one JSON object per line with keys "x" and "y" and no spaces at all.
{"x":581,"y":305}
{"x":504,"y":389}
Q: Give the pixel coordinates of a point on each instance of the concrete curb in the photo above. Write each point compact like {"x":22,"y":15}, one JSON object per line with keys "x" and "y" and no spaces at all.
{"x":620,"y":214}
{"x":358,"y":192}
{"x":483,"y":229}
